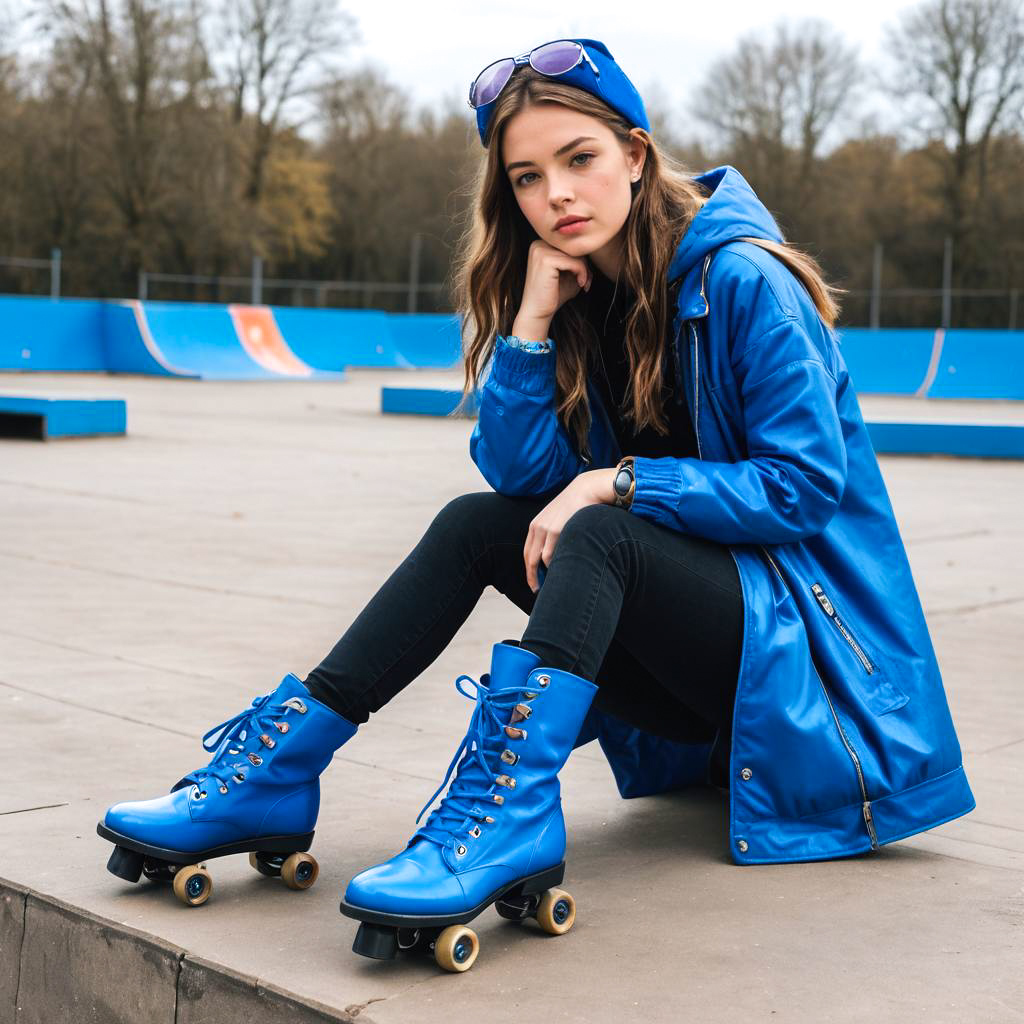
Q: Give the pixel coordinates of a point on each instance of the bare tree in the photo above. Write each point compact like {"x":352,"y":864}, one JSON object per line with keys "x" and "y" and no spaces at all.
{"x":130,"y":51}
{"x":774,"y":99}
{"x":278,"y":52}
{"x":962,"y":61}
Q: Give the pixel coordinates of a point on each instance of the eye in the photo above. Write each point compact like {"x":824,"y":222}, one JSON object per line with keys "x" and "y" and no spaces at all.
{"x":522,"y":178}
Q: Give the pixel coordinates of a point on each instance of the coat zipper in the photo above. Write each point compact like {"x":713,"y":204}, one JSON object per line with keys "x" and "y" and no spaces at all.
{"x":866,"y":803}
{"x":831,"y":612}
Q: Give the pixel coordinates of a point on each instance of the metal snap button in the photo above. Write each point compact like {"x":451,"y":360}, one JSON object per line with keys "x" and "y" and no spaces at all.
{"x":746,"y":774}
{"x":741,"y":845}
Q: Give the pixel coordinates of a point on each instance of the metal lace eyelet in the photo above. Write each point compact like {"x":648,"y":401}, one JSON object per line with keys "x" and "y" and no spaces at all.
{"x":281,"y":726}
{"x":488,"y":820}
{"x":255,"y":759}
{"x":523,"y":711}
{"x":529,"y":695}
{"x":267,"y":741}
{"x":513,"y":733}
{"x":223,"y":789}
{"x":497,"y":798}
{"x":235,"y":750}
{"x":239,"y":777}
{"x":475,"y":831}
{"x":543,"y":680}
{"x":508,"y":757}
{"x":460,"y":850}
{"x":297,"y":704}
{"x":506,"y":780}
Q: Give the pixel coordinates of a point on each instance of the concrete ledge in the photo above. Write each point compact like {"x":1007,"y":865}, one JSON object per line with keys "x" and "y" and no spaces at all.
{"x":12,"y":931}
{"x":211,"y":994}
{"x":59,"y":963}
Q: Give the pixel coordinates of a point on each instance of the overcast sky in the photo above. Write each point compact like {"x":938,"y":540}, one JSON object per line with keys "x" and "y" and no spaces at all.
{"x":434,"y":49}
{"x":437,"y":48}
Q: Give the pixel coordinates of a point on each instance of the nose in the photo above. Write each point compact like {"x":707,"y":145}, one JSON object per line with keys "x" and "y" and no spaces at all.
{"x":560,"y":191}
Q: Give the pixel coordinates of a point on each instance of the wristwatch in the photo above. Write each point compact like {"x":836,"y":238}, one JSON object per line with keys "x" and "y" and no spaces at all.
{"x":625,"y":483}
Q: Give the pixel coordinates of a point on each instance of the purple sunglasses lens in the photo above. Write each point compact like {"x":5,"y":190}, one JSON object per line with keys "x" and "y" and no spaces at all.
{"x":556,"y":58}
{"x":492,"y":80}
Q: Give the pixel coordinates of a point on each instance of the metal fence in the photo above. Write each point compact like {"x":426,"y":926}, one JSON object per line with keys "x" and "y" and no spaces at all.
{"x":876,"y":306}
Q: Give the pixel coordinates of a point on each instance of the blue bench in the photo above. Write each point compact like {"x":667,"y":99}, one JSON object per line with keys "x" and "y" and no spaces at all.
{"x":48,"y":416}
{"x":975,"y":440}
{"x":425,"y":401}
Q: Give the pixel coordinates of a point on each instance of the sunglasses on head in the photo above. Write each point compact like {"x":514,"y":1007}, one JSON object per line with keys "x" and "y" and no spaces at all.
{"x":554,"y":58}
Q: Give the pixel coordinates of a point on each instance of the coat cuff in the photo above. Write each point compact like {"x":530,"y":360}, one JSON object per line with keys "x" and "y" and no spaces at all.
{"x":532,"y":373}
{"x":657,"y":487}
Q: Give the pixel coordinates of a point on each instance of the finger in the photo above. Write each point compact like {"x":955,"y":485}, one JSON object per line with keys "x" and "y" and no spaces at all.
{"x":531,"y":574}
{"x":531,"y":578}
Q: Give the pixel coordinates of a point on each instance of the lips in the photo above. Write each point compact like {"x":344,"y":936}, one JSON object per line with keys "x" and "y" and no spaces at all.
{"x":570,"y":220}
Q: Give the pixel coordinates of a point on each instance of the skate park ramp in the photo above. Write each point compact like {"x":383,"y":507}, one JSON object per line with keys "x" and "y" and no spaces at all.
{"x":63,"y":335}
{"x":956,"y":363}
{"x":216,"y":342}
{"x":333,"y":339}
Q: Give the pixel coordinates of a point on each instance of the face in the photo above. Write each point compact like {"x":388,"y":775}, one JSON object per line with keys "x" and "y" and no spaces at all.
{"x":561,"y":163}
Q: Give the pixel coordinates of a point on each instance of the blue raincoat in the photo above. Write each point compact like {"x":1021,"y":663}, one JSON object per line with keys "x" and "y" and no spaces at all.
{"x":842,"y":738}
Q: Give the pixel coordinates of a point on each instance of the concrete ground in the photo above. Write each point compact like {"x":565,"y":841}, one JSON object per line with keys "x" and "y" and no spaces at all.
{"x":151,"y":585}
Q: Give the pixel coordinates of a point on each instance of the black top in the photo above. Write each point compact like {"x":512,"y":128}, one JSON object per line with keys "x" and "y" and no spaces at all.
{"x":607,"y":308}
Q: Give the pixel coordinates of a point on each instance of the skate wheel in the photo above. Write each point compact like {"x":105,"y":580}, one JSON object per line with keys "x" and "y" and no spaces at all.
{"x":263,"y":866}
{"x":456,"y":948}
{"x":193,"y":885}
{"x":556,"y":912}
{"x":299,"y":871}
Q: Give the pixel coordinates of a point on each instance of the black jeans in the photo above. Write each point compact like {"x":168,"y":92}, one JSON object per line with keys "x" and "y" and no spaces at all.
{"x":653,"y":616}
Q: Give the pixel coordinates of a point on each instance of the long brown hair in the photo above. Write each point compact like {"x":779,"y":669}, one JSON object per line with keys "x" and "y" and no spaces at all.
{"x":490,"y":265}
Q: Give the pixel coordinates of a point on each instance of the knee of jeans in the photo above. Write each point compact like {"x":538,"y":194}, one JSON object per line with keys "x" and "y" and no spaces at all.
{"x":588,"y":523}
{"x":465,"y":510}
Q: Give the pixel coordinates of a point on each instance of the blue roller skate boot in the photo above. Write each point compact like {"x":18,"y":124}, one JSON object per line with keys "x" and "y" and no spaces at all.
{"x":260,"y":793}
{"x":498,"y":836}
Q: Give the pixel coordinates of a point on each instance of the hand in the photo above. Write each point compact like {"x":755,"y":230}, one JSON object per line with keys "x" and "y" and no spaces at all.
{"x":591,"y":488}
{"x":552,"y":278}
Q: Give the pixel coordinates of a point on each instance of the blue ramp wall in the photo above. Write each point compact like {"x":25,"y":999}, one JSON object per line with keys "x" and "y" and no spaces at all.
{"x":51,"y":334}
{"x":980,"y":364}
{"x":331,"y":339}
{"x":427,"y":339}
{"x":892,"y":362}
{"x":124,"y":349}
{"x":201,"y":338}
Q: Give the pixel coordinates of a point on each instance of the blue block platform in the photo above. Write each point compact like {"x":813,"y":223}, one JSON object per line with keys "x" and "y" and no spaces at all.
{"x":425,"y":401}
{"x":48,"y":416}
{"x":976,"y":440}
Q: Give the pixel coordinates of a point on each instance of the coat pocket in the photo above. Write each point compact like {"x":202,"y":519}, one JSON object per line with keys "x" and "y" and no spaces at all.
{"x":879,"y":693}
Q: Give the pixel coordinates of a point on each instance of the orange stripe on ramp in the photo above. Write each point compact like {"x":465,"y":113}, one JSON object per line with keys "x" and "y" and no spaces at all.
{"x":261,"y":338}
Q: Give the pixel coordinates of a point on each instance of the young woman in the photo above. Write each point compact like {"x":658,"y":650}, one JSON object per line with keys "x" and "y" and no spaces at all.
{"x":677,"y":454}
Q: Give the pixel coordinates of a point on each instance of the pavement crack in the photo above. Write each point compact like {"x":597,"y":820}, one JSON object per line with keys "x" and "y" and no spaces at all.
{"x":203,"y":588}
{"x":95,"y":710}
{"x":982,"y":606}
{"x":935,"y":538}
{"x":105,"y":654}
{"x":354,"y":1009}
{"x":25,"y":810}
{"x":998,"y":746}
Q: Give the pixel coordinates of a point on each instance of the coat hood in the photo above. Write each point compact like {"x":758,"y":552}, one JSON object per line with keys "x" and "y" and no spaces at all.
{"x":732,"y":211}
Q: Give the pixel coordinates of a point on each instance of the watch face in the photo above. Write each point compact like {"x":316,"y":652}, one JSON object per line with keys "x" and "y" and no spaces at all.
{"x":622,"y":482}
